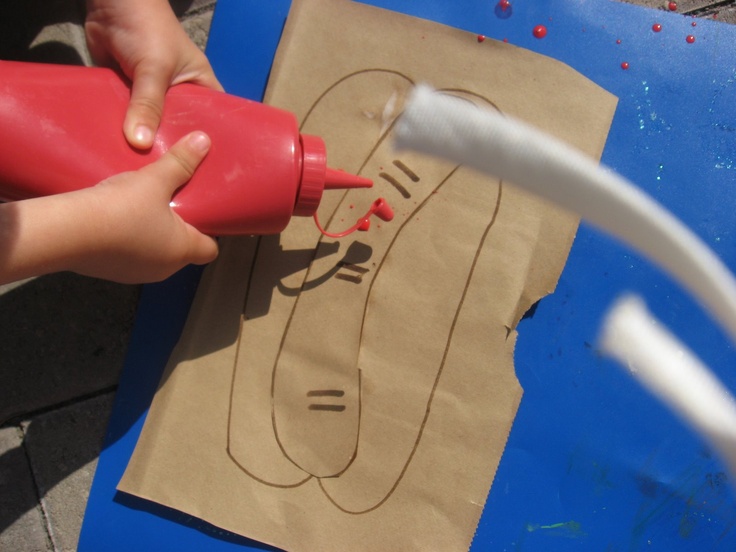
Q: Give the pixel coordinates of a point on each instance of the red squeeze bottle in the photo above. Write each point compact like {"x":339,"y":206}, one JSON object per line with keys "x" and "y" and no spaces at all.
{"x":61,"y":130}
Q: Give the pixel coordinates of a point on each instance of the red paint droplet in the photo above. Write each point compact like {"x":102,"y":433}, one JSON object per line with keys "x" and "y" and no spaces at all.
{"x":540,"y":31}
{"x":618,"y":41}
{"x":672,"y":6}
{"x":503,"y":9}
{"x":657,"y":27}
{"x":625,"y":65}
{"x":690,"y":39}
{"x":506,"y":40}
{"x":481,"y":38}
{"x":352,"y":206}
{"x":694,"y":24}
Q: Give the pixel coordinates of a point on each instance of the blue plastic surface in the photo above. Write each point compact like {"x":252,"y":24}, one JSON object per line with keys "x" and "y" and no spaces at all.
{"x":592,"y":462}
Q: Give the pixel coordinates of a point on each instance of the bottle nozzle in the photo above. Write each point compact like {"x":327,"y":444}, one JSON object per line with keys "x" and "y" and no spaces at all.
{"x":341,"y":180}
{"x":317,"y":177}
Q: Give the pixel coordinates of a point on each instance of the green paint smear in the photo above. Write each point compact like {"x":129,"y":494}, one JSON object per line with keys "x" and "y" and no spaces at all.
{"x":571,"y":529}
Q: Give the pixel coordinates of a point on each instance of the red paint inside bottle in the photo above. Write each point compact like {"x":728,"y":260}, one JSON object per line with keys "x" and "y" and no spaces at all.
{"x":540,"y":31}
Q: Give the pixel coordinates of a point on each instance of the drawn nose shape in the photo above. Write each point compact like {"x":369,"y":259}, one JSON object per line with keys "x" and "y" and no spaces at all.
{"x":317,"y":384}
{"x":316,"y":381}
{"x":408,"y":329}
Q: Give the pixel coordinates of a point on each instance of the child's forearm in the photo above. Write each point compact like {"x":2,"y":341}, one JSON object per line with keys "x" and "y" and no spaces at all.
{"x":42,"y":235}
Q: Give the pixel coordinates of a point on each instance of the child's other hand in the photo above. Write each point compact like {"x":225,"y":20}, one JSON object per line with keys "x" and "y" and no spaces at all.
{"x":135,"y":236}
{"x":149,"y":44}
{"x":123,"y":229}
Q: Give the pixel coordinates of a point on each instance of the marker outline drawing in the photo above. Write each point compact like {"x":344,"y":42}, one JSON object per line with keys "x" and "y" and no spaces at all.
{"x":414,"y":195}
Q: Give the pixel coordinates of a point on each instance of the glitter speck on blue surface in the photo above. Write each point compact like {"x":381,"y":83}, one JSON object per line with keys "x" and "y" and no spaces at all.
{"x":647,"y":115}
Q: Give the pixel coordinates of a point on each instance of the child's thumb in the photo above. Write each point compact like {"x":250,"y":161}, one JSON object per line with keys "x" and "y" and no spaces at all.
{"x":177,"y":165}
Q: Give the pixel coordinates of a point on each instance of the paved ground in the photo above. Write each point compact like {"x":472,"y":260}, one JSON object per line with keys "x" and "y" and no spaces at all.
{"x":63,"y":337}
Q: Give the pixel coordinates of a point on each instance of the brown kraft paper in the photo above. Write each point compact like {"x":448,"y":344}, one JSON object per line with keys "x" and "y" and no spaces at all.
{"x":357,"y":394}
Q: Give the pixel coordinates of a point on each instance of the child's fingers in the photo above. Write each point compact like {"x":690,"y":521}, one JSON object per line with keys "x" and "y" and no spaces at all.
{"x":176,"y":166}
{"x":150,"y":84}
{"x":205,"y":78}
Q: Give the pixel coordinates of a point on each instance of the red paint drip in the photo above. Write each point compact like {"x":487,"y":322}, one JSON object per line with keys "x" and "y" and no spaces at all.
{"x":690,"y":39}
{"x":540,"y":31}
{"x":672,"y":6}
{"x":625,"y":65}
{"x":481,"y":38}
{"x":379,"y":208}
{"x":657,"y":27}
{"x":503,"y":9}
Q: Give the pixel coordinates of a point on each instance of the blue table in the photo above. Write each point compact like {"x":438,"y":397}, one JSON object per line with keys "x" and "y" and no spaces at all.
{"x":592,"y":462}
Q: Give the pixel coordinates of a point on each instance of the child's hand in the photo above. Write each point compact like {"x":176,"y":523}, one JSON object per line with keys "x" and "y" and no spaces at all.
{"x":149,"y":44}
{"x":122,"y":229}
{"x":139,"y":238}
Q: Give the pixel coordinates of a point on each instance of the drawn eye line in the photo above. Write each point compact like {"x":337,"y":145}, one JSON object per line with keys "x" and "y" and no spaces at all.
{"x":358,"y":271}
{"x":406,"y":170}
{"x":396,"y":184}
{"x":328,"y":407}
{"x":326,"y":393}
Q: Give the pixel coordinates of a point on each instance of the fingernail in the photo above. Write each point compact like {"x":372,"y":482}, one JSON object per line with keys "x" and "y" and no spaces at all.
{"x":143,"y":135}
{"x":199,"y":141}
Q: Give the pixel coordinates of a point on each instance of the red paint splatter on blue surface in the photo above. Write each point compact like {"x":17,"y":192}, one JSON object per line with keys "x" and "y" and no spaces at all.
{"x":503,"y":9}
{"x":540,"y":31}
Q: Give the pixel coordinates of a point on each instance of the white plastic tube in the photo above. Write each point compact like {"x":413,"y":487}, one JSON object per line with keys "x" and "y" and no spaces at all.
{"x":451,"y":128}
{"x":662,"y":364}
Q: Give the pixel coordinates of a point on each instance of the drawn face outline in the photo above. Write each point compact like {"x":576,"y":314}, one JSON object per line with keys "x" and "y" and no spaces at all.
{"x":329,"y":392}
